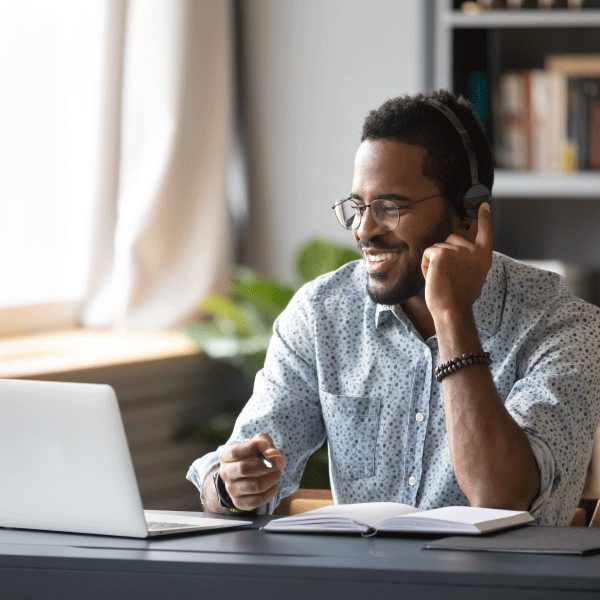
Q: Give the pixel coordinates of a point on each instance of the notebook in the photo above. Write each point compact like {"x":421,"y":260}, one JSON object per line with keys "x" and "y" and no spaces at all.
{"x":375,"y":517}
{"x":540,"y":539}
{"x":65,"y":465}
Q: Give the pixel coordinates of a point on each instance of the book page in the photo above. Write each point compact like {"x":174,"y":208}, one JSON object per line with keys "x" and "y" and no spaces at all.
{"x":368,"y":513}
{"x":467,"y":514}
{"x":467,"y":519}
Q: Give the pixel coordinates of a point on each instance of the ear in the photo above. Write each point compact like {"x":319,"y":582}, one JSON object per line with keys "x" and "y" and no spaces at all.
{"x":468,"y":228}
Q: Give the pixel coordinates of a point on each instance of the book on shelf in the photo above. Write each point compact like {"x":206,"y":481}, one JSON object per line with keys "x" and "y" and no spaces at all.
{"x":391,"y":517}
{"x":479,"y":95}
{"x":580,"y":65}
{"x":580,"y":75}
{"x":511,"y":119}
{"x":528,"y":121}
{"x":594,"y":147}
{"x":477,"y":6}
{"x":549,"y":119}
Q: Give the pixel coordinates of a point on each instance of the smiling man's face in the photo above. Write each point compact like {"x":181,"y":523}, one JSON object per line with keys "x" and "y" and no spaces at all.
{"x":393,"y":170}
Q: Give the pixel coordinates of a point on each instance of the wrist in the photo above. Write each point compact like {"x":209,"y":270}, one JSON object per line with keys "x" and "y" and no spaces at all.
{"x":225,"y":499}
{"x":208,"y":496}
{"x":457,"y":334}
{"x":452,"y":317}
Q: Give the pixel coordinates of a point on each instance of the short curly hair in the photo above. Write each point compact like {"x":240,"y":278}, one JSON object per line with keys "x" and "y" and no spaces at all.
{"x":411,"y":120}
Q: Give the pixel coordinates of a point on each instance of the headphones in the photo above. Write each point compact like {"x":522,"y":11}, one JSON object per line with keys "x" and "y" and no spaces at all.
{"x":472,"y":196}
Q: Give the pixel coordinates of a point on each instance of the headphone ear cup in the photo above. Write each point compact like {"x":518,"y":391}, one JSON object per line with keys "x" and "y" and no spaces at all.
{"x":471,"y":198}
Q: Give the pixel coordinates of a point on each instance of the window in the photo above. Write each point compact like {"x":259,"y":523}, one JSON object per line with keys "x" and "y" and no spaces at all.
{"x":50,"y":109}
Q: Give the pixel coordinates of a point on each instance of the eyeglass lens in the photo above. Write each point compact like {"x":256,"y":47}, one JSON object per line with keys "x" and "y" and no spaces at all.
{"x":385,"y":213}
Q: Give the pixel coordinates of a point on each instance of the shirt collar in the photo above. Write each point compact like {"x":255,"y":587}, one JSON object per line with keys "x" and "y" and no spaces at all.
{"x":487,"y":309}
{"x":382,"y":313}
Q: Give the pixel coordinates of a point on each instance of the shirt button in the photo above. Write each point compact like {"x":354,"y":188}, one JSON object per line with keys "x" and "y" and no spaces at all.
{"x":419,"y":417}
{"x":411,"y":480}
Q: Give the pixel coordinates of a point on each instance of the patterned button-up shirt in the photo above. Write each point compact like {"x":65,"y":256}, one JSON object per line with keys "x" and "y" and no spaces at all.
{"x":342,"y":368}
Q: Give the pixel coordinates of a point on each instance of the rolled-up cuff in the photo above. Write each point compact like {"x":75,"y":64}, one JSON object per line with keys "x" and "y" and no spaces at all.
{"x":201,"y":467}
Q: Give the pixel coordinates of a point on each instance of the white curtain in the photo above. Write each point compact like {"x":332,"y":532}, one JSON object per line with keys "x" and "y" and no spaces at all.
{"x":162,"y":231}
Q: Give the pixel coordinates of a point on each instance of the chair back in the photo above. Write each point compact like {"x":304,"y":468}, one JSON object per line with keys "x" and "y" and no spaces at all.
{"x":589,"y":504}
{"x":303,"y":500}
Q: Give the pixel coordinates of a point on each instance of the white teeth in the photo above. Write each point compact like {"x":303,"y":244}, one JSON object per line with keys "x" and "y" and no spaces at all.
{"x":380,"y":257}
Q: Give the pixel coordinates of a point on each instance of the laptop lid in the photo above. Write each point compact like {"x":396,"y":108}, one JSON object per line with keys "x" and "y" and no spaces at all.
{"x":64,"y":460}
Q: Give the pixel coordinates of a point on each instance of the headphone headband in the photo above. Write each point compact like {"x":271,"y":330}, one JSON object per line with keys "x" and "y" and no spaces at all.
{"x":473,"y":195}
{"x":466,"y":138}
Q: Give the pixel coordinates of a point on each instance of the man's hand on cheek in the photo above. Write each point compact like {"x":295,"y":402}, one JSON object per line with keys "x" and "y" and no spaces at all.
{"x":455,"y":270}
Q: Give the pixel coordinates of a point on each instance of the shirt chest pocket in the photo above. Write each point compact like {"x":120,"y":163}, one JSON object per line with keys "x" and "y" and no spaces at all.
{"x":352,"y":424}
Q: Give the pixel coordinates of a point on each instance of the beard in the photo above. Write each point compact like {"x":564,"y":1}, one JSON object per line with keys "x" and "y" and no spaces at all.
{"x":403,"y":289}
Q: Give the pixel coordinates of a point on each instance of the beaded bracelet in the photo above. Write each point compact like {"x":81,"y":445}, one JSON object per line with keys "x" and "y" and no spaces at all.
{"x":481,"y":358}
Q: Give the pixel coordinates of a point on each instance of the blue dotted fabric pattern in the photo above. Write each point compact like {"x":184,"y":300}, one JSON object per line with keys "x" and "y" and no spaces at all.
{"x":358,"y":374}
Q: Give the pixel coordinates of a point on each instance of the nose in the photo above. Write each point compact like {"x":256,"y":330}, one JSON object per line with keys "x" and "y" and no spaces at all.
{"x":368,"y":226}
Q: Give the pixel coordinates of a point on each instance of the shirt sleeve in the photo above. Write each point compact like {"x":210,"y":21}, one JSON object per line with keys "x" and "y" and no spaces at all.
{"x":285,"y":401}
{"x":556,"y":400}
{"x":201,"y":467}
{"x":545,"y":460}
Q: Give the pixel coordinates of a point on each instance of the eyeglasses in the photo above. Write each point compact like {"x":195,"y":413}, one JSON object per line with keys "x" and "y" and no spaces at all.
{"x":386,"y":213}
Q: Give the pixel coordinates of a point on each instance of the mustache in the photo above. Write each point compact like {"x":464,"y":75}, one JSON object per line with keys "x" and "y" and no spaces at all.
{"x":376,"y":243}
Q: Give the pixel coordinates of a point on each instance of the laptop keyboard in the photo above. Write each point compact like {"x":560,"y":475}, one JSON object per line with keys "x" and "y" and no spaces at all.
{"x":157,"y":526}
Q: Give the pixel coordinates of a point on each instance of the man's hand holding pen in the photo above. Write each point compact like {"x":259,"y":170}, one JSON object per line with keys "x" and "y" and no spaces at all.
{"x":245,"y":470}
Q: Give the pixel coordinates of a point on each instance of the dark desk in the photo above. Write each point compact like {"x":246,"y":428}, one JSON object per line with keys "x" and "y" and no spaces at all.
{"x":248,"y":563}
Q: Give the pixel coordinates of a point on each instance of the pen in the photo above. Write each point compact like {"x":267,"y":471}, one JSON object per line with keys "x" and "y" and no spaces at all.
{"x":265,"y":461}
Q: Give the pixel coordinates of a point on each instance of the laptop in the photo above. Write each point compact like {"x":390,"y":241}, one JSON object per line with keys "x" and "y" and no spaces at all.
{"x":65,"y":465}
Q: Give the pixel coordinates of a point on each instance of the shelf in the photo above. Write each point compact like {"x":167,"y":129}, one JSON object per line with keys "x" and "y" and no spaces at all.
{"x":580,"y":185}
{"x":501,"y":19}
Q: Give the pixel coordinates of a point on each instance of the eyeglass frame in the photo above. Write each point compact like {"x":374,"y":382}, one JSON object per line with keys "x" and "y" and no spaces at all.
{"x":363,"y":207}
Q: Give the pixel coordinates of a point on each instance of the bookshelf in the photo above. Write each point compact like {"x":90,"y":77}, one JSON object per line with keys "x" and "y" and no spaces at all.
{"x":523,"y":18}
{"x":561,"y":210}
{"x":494,"y":41}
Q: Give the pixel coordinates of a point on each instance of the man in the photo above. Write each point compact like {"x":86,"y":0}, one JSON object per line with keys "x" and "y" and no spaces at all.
{"x":509,"y":421}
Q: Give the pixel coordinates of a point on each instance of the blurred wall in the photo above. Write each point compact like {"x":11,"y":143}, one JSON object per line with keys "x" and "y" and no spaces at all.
{"x":310,"y":72}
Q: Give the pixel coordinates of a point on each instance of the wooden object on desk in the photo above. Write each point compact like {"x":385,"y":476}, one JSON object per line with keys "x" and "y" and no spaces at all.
{"x":303,"y":500}
{"x":590,"y":497}
{"x":591,"y":488}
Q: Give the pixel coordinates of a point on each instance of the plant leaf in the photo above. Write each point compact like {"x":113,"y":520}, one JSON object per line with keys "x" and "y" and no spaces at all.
{"x":223,"y":346}
{"x":200,"y":332}
{"x":221,"y":306}
{"x":231,"y":346}
{"x":321,"y":256}
{"x":268,"y":296}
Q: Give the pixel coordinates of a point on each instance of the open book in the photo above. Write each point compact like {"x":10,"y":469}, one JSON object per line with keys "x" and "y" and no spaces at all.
{"x":371,"y":517}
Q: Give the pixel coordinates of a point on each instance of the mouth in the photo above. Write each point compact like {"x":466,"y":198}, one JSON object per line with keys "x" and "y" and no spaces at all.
{"x":377,"y":262}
